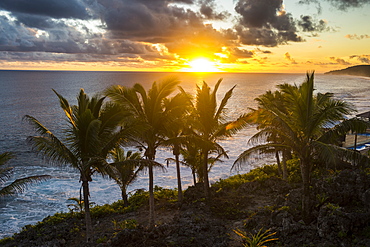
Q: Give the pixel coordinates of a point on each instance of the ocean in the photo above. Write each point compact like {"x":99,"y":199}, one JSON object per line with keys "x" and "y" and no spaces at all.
{"x":30,"y":92}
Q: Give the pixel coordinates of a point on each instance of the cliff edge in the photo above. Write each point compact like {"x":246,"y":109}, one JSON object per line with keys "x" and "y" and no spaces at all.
{"x":359,"y":70}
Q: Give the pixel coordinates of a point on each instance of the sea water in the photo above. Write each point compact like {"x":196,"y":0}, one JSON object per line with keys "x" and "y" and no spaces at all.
{"x":30,"y":93}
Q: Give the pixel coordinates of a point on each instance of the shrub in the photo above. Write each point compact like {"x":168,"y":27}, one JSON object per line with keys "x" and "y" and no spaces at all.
{"x":126,"y":224}
{"x":99,"y":211}
{"x":258,"y":239}
{"x":257,"y":174}
{"x":162,"y":193}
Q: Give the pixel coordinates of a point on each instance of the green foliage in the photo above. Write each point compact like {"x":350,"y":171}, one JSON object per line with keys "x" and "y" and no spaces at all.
{"x":75,"y":229}
{"x":294,"y":170}
{"x":102,"y":240}
{"x":6,"y":240}
{"x":56,"y":219}
{"x":102,"y":210}
{"x":322,"y":198}
{"x":125,"y":224}
{"x":257,"y":174}
{"x":139,"y":198}
{"x":283,"y":208}
{"x":78,"y":205}
{"x":342,"y":234}
{"x":163,"y":193}
{"x":256,"y":240}
{"x":333,"y":208}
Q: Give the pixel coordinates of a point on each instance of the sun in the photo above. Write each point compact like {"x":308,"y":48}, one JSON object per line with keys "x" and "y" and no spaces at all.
{"x":201,"y":65}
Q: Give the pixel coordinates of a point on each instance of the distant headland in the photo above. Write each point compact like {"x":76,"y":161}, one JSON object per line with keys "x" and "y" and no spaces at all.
{"x":359,"y":70}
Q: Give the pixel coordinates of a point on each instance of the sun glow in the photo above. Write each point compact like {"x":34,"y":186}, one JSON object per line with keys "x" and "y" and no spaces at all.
{"x":201,"y":65}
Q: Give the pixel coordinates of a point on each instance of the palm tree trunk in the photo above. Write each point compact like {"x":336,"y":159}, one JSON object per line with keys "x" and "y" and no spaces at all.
{"x":278,"y":163}
{"x":179,"y":186}
{"x":124,"y":197}
{"x":194,"y":177}
{"x":205,"y":176}
{"x":306,"y":199}
{"x":89,"y":230}
{"x":151,"y":197}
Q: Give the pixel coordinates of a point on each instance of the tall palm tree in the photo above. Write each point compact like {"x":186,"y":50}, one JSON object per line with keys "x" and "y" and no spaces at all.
{"x":302,"y":121}
{"x":155,"y":112}
{"x":91,"y":132}
{"x":20,"y":184}
{"x":209,"y":125}
{"x":176,"y":133}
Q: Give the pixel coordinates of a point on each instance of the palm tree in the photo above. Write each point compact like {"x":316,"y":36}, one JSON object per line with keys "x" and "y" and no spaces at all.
{"x":90,"y":134}
{"x":124,"y":173}
{"x":209,"y":125}
{"x":263,"y":118}
{"x":176,"y":133}
{"x":126,"y":168}
{"x":155,"y":112}
{"x":19,"y":185}
{"x":302,"y":122}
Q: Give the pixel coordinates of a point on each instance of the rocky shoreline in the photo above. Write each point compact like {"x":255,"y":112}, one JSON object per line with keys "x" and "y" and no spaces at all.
{"x":340,"y":216}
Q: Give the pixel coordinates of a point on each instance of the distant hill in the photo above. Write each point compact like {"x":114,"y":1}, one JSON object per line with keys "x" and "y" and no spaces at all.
{"x":359,"y":70}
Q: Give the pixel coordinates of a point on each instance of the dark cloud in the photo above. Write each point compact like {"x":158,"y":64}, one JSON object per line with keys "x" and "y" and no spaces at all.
{"x":340,"y":61}
{"x":308,"y":24}
{"x":362,"y":58}
{"x":263,"y":51}
{"x":345,"y":4}
{"x":36,"y":21}
{"x":207,"y":8}
{"x":155,"y":21}
{"x":258,"y":13}
{"x":339,"y":4}
{"x":137,"y":30}
{"x":264,"y":22}
{"x":65,"y":39}
{"x":52,"y":8}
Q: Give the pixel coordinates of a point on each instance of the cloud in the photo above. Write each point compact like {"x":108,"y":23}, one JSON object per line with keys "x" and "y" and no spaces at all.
{"x":362,"y":58}
{"x":207,"y":8}
{"x":358,"y":37}
{"x":264,"y":22}
{"x":149,"y":21}
{"x":340,"y":61}
{"x":346,"y":4}
{"x":289,"y":58}
{"x":146,"y":30}
{"x":51,"y":8}
{"x":339,"y":4}
{"x":307,"y":24}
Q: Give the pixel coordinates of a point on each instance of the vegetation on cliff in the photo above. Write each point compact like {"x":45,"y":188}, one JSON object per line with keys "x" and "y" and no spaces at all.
{"x":359,"y":70}
{"x":317,"y":193}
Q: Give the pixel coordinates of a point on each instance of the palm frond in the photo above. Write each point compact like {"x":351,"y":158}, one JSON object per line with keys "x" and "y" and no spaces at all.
{"x":5,"y":174}
{"x":256,"y":153}
{"x":5,"y":157}
{"x":19,"y":185}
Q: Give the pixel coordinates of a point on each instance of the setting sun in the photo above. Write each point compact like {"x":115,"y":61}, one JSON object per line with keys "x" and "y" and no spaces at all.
{"x":202,"y":65}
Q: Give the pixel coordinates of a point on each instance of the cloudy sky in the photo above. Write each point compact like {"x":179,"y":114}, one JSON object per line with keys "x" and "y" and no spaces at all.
{"x":168,"y":35}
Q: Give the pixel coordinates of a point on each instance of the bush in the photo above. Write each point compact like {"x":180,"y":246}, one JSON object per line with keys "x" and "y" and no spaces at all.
{"x":258,"y":174}
{"x":162,"y":193}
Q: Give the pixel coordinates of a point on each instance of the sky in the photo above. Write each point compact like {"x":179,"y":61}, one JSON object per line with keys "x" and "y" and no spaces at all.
{"x":274,"y":36}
